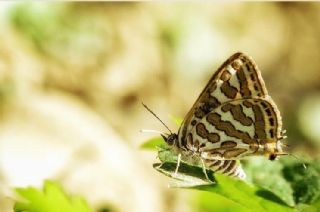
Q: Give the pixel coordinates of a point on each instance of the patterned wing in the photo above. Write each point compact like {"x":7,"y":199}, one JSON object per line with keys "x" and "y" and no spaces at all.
{"x":236,"y":129}
{"x":237,"y":78}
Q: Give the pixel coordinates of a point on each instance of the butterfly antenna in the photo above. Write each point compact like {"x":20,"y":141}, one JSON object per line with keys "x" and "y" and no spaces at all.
{"x":156,"y":117}
{"x":151,"y":131}
{"x":299,"y":159}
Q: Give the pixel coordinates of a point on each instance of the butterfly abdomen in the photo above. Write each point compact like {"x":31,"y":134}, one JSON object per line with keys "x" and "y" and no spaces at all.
{"x":227,"y":167}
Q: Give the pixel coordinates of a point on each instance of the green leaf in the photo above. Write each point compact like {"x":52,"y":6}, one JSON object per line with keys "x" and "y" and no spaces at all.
{"x":153,"y":143}
{"x":314,"y":207}
{"x":237,"y":191}
{"x":51,"y":199}
{"x":250,"y":197}
{"x":304,"y":182}
{"x":191,"y":175}
{"x":268,"y":175}
{"x":254,"y":198}
{"x":208,"y":201}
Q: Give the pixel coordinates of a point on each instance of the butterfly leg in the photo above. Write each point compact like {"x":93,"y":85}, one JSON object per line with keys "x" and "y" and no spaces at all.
{"x":158,"y":167}
{"x":204,"y":169}
{"x":178,"y":164}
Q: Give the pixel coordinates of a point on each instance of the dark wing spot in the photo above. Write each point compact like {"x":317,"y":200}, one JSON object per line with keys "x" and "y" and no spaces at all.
{"x":228,"y":90}
{"x":193,"y":122}
{"x":228,"y":144}
{"x":264,"y":105}
{"x":213,"y":137}
{"x":248,"y":68}
{"x":271,"y":121}
{"x":247,"y":103}
{"x":268,"y":111}
{"x":232,"y":153}
{"x":228,"y":128}
{"x":271,"y":133}
{"x":244,"y":90}
{"x":214,"y":154}
{"x":227,"y":107}
{"x":201,"y":130}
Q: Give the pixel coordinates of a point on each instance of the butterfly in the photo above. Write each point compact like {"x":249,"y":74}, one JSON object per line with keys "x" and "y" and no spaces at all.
{"x":234,"y":117}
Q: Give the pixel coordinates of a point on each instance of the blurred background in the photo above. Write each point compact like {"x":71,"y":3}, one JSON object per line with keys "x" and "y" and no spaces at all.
{"x":73,"y":76}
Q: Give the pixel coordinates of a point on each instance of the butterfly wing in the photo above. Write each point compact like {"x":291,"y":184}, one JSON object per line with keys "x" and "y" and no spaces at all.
{"x":236,"y":129}
{"x":237,"y":78}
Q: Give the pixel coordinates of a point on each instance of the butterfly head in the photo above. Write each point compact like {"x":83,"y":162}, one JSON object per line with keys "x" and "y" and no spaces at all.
{"x":171,"y":139}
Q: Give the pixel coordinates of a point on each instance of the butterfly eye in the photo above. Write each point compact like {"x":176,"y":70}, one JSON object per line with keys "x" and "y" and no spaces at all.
{"x":171,"y":139}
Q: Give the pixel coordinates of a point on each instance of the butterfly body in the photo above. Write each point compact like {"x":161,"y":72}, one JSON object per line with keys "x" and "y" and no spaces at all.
{"x":234,"y":117}
{"x":195,"y":157}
